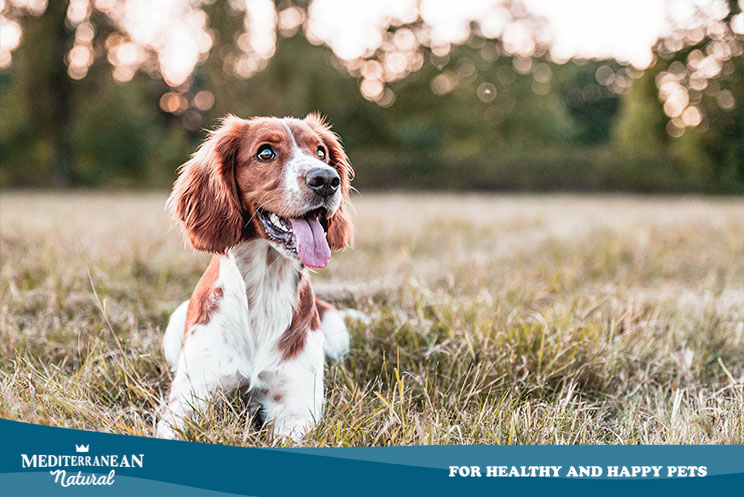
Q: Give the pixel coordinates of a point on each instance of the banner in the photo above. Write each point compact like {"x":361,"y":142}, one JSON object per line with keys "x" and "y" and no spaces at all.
{"x":42,"y":460}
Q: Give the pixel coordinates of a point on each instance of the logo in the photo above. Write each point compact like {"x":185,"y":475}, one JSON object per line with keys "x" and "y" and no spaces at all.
{"x":82,"y":470}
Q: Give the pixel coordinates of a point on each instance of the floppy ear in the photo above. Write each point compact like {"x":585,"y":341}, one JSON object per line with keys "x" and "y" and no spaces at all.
{"x":340,"y":230}
{"x":205,"y":195}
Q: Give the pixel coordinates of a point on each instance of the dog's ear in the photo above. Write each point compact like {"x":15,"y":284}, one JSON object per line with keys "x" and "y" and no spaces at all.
{"x":340,"y":230}
{"x":205,"y":195}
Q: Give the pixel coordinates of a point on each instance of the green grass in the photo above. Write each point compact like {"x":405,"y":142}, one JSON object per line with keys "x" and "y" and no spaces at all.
{"x":493,"y":319}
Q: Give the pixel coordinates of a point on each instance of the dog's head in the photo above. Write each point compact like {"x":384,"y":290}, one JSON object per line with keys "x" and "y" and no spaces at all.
{"x":284,"y":180}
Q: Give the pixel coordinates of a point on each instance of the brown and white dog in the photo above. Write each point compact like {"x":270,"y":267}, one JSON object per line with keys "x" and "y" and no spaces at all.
{"x":269,"y":198}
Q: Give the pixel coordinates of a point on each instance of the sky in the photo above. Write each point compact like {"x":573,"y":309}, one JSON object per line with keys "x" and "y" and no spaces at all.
{"x":624,"y":30}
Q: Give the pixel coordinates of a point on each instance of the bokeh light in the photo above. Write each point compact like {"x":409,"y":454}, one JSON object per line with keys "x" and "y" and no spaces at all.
{"x":10,"y":38}
{"x":386,"y":41}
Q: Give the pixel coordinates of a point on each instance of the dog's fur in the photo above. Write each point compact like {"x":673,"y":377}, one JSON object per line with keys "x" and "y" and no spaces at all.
{"x":252,"y":321}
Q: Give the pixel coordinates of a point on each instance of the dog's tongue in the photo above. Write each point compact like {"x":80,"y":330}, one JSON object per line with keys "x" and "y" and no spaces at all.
{"x":312,"y":245}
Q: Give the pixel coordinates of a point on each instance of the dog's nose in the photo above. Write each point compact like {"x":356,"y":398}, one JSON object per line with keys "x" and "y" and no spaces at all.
{"x":323,"y":181}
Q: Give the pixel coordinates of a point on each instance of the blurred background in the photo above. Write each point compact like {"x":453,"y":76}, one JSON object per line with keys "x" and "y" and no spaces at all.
{"x":576,"y":95}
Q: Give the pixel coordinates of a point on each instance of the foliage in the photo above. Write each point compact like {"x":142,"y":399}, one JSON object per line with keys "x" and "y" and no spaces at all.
{"x":500,"y":122}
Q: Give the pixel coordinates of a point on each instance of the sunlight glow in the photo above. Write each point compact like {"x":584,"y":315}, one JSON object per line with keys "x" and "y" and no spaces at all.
{"x":258,"y":41}
{"x":359,"y":32}
{"x":625,"y":30}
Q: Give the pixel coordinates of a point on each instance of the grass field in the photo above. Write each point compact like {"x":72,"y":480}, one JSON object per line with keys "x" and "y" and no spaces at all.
{"x":492,"y":319}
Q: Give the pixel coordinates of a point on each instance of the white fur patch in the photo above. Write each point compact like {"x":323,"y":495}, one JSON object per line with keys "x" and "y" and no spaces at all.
{"x":300,"y":162}
{"x":173,"y":336}
{"x":336,"y":343}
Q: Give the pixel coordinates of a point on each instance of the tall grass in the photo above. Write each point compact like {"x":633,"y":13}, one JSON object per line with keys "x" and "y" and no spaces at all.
{"x":492,"y":319}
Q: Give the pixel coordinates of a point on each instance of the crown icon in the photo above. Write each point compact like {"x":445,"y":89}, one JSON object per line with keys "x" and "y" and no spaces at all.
{"x":82,"y":448}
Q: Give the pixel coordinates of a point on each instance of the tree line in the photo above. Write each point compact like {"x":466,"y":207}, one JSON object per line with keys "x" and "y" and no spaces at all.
{"x":476,"y":118}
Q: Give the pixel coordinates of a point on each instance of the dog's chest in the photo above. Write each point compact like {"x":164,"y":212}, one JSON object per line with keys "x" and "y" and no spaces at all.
{"x":268,"y":282}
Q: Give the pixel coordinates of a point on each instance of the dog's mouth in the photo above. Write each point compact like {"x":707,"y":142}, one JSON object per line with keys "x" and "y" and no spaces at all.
{"x":304,"y":236}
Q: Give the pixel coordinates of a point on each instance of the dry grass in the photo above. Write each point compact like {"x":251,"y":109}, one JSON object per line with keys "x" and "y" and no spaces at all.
{"x":493,"y":319}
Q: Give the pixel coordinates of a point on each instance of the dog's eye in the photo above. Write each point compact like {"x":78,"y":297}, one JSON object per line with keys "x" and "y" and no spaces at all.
{"x":321,"y":153}
{"x":266,"y":153}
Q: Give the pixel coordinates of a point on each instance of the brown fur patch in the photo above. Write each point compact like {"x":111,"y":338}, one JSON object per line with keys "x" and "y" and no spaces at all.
{"x":205,"y":195}
{"x":206,"y":297}
{"x":304,"y":318}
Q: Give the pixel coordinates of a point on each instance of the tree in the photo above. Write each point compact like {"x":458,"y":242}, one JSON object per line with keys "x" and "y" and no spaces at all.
{"x":45,"y":87}
{"x":641,"y":124}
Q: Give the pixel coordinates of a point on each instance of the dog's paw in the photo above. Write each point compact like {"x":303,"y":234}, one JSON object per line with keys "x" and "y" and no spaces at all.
{"x":293,"y":428}
{"x":166,"y":431}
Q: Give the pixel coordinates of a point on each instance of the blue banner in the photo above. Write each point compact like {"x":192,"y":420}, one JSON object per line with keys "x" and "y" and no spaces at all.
{"x":42,"y":460}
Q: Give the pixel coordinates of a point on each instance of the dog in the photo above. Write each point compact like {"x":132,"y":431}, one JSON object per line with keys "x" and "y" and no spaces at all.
{"x":269,"y":198}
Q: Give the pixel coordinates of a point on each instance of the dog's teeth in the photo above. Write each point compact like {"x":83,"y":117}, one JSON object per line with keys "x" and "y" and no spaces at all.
{"x":275,"y":219}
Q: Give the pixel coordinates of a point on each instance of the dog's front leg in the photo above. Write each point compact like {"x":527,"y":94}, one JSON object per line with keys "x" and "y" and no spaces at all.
{"x":184,"y":398}
{"x":292,"y":401}
{"x":203,"y":367}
